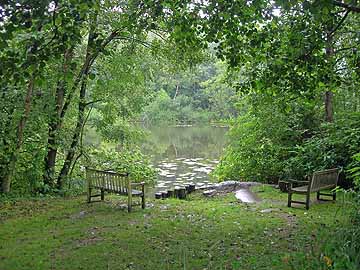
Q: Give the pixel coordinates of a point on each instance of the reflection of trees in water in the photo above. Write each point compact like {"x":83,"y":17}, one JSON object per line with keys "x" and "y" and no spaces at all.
{"x":172,"y":142}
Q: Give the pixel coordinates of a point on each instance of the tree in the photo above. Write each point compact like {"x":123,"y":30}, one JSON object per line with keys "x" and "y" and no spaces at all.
{"x":31,"y":36}
{"x":303,"y":48}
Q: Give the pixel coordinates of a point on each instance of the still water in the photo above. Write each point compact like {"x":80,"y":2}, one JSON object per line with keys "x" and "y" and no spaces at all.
{"x":184,"y":154}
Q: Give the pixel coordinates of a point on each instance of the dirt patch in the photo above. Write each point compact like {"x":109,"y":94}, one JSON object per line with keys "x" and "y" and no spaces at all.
{"x":88,"y":241}
{"x":288,"y":231}
{"x":91,"y":238}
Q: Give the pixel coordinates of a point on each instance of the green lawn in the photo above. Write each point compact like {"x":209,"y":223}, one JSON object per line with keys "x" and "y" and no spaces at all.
{"x":199,"y":233}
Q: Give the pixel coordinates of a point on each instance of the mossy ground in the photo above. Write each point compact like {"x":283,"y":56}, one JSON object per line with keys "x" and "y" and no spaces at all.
{"x":197,"y":233}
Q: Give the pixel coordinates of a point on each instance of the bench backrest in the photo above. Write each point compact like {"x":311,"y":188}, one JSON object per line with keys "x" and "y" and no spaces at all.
{"x":324,"y":179}
{"x":107,"y":180}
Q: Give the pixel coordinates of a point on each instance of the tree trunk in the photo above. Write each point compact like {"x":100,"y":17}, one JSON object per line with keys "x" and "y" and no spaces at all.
{"x":329,"y":114}
{"x":75,"y":139}
{"x":6,"y":181}
{"x":91,"y":54}
{"x":176,"y":91}
{"x":328,"y":100}
{"x":55,"y":123}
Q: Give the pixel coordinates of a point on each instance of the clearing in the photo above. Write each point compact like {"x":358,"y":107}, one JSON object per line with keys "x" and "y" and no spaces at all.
{"x":197,"y":233}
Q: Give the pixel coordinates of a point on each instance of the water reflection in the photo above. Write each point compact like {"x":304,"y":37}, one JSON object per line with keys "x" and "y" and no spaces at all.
{"x":184,"y":154}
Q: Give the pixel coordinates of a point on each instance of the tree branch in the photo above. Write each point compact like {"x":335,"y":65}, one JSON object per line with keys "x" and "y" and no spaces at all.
{"x":344,"y":49}
{"x":158,"y":35}
{"x":347,"y":6}
{"x":340,"y":69}
{"x":92,"y":102}
{"x":144,"y":43}
{"x":89,"y":60}
{"x":340,"y":23}
{"x":54,"y":25}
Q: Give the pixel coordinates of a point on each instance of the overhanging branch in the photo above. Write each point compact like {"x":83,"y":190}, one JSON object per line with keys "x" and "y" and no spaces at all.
{"x":347,"y":6}
{"x":340,"y":23}
{"x":142,"y":42}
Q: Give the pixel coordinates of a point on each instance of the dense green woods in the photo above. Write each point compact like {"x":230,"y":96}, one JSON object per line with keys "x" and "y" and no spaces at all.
{"x":285,"y":75}
{"x":198,"y":94}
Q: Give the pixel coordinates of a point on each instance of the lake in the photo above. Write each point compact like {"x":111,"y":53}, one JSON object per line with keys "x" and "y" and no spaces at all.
{"x":184,"y":154}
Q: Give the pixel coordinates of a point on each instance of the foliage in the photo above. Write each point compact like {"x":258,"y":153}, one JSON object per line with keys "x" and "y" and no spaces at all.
{"x":302,"y":51}
{"x":261,"y":140}
{"x":354,"y":169}
{"x":127,"y":160}
{"x":270,"y":145}
{"x":197,"y":94}
{"x":333,"y":145}
{"x":163,"y":109}
{"x":63,"y":59}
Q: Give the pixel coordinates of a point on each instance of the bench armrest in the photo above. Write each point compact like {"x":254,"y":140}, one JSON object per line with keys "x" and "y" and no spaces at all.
{"x":138,"y":184}
{"x":295,"y":181}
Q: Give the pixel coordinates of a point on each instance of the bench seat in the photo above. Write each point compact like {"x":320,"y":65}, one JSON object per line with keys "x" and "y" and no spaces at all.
{"x":305,"y":188}
{"x":134,"y":192}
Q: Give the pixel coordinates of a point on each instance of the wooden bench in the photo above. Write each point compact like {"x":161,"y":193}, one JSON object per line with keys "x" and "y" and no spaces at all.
{"x":118,"y":183}
{"x":321,"y":180}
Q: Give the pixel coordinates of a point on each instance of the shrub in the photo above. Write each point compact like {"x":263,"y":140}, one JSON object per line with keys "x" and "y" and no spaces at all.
{"x":258,"y":146}
{"x":129,"y":160}
{"x":333,"y":145}
{"x":270,"y":145}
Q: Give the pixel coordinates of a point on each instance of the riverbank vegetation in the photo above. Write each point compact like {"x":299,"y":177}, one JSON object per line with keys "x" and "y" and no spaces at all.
{"x":76,"y":75}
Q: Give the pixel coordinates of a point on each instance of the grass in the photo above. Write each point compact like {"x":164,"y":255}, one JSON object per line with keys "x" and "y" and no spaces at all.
{"x":199,"y":233}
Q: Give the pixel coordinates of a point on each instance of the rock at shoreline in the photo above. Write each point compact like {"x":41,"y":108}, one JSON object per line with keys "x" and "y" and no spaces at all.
{"x":209,"y":193}
{"x":246,"y":196}
{"x":228,"y":186}
{"x":234,"y":185}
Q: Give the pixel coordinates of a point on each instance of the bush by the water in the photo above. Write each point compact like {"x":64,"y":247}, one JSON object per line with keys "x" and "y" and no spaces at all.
{"x":270,"y":146}
{"x":125,"y":159}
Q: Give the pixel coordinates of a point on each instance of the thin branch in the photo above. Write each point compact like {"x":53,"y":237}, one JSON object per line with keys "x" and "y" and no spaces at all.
{"x":158,"y":35}
{"x":347,"y":6}
{"x":344,"y":49}
{"x":340,"y":59}
{"x":92,"y":102}
{"x":340,"y":23}
{"x":54,"y":25}
{"x":144,"y":43}
{"x":81,"y":142}
{"x":340,"y":69}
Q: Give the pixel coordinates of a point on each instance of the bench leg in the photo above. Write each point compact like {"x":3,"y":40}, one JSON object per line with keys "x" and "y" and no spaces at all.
{"x":143,"y":201}
{"x":129,"y":202}
{"x":102,"y":194}
{"x":332,"y":194}
{"x":307,"y":201}
{"x":143,"y":197}
{"x":89,"y":195}
{"x":289,"y":199}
